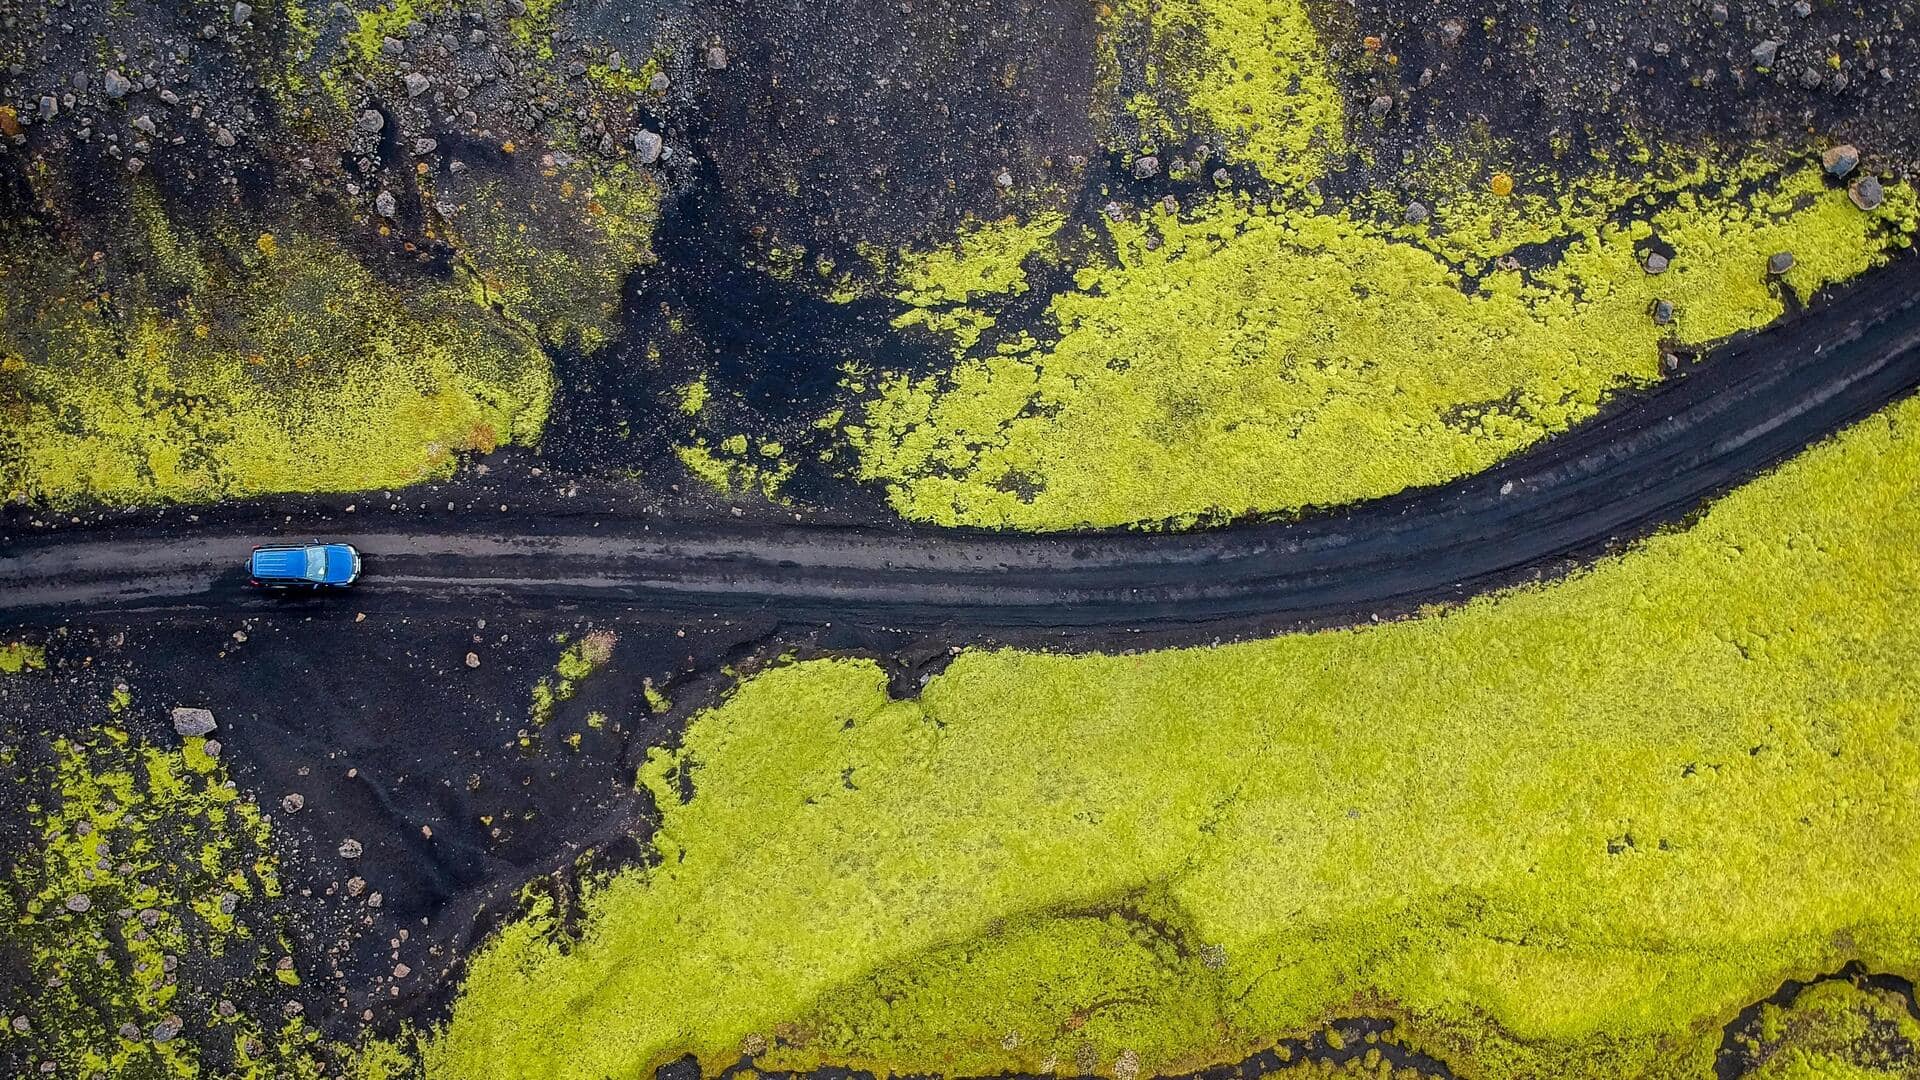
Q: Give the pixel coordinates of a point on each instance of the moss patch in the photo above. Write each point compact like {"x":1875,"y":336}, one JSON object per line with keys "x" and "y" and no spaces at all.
{"x":1835,"y":1030}
{"x":1252,"y":70}
{"x":136,"y":918}
{"x":554,"y":251}
{"x":18,"y":656}
{"x":279,"y":364}
{"x":1245,"y":358}
{"x":1567,"y":831}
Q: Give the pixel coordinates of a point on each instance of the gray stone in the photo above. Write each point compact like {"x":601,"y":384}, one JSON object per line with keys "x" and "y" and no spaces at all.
{"x":659,"y":83}
{"x":1662,"y":312}
{"x":1765,"y":53}
{"x":117,"y":85}
{"x":647,"y":146}
{"x":392,"y":46}
{"x":211,"y":748}
{"x":1810,"y":77}
{"x":79,"y":81}
{"x":49,"y":107}
{"x":1656,"y":263}
{"x":242,"y":14}
{"x":293,"y":802}
{"x":129,"y":1032}
{"x":1451,"y":32}
{"x":1803,"y":9}
{"x":134,"y":164}
{"x":1866,"y":193}
{"x":1840,"y":160}
{"x":350,"y":848}
{"x":79,"y":903}
{"x":370,"y":121}
{"x":1145,"y":166}
{"x":169,"y":97}
{"x":1417,"y":213}
{"x":385,"y":205}
{"x":1780,"y":262}
{"x":1719,"y":14}
{"x":222,"y":137}
{"x":1381,"y":106}
{"x":165,"y":1030}
{"x":716,"y":58}
{"x":423,"y":146}
{"x":192,"y":723}
{"x":417,"y":83}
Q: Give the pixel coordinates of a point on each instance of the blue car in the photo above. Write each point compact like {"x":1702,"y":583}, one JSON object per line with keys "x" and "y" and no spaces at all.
{"x":304,"y":566}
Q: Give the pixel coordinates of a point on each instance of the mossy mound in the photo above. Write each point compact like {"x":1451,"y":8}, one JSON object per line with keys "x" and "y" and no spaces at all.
{"x":227,"y":367}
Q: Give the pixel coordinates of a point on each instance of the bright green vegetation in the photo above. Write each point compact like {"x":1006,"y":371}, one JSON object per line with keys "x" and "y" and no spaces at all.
{"x":1247,"y":358}
{"x":1568,"y":831}
{"x":18,"y":656}
{"x":1252,"y":70}
{"x":137,"y":907}
{"x":246,"y":366}
{"x":733,"y":468}
{"x":555,"y":251}
{"x":1835,"y":1030}
{"x":577,"y":661}
{"x":987,"y":260}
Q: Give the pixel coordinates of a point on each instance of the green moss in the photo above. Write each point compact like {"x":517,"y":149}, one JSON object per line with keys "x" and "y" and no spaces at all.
{"x":1568,"y":831}
{"x":554,"y":253}
{"x":577,"y":661}
{"x":282,"y":366}
{"x":128,"y":910}
{"x":733,"y":469}
{"x":18,"y":656}
{"x":1247,"y":359}
{"x":1253,"y":70}
{"x":1836,"y":1030}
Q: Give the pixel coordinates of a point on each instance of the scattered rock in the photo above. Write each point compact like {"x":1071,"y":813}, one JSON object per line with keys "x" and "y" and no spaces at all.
{"x":401,"y":971}
{"x":1145,"y":166}
{"x":350,"y":848}
{"x":192,"y":723}
{"x":647,"y":146}
{"x":49,"y":107}
{"x":1003,"y":180}
{"x":386,"y":205}
{"x":392,"y":47}
{"x":1803,"y":9}
{"x":165,"y":1030}
{"x":1779,"y":262}
{"x":1662,"y":312}
{"x":659,"y":83}
{"x":149,"y":917}
{"x":242,"y":13}
{"x":424,"y":146}
{"x":225,"y":1008}
{"x":356,"y":885}
{"x":1417,"y":213}
{"x":1866,"y":193}
{"x":169,"y":97}
{"x":116,"y":85}
{"x":293,"y":802}
{"x":22,"y":1025}
{"x":473,"y":660}
{"x":1840,"y":160}
{"x":1719,"y":14}
{"x":229,"y":903}
{"x":129,"y":1032}
{"x":79,"y":903}
{"x":1810,"y":77}
{"x":222,"y":137}
{"x":1656,"y":263}
{"x":1451,"y":31}
{"x":1382,"y":105}
{"x":370,"y":121}
{"x":417,"y":83}
{"x":211,"y":748}
{"x":134,"y":164}
{"x":716,"y":58}
{"x":144,"y":123}
{"x":1765,"y":53}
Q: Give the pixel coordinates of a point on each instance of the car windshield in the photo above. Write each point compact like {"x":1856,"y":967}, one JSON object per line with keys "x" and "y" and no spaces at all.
{"x":316,"y":564}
